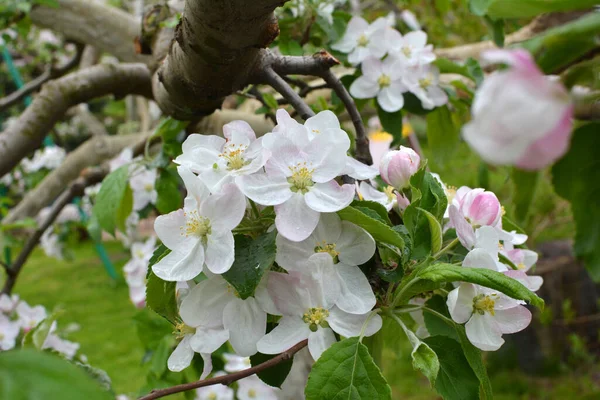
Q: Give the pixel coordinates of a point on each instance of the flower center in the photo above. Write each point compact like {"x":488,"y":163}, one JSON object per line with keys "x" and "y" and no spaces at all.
{"x":315,"y":317}
{"x":196,"y":225}
{"x":425,"y":82}
{"x":181,"y":329}
{"x":234,"y":157}
{"x":483,"y":303}
{"x":212,"y":396}
{"x":139,"y":254}
{"x":252,"y":393}
{"x":148,"y":187}
{"x":389,"y":192}
{"x":384,"y":81}
{"x":328,"y":248}
{"x":407,"y":51}
{"x":301,"y":179}
{"x":521,"y":266}
{"x":363,"y":40}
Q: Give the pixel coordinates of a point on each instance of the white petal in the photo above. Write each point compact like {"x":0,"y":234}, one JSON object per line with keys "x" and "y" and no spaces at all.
{"x":329,"y":196}
{"x":372,"y":69}
{"x":207,"y":368}
{"x":247,"y":324}
{"x":220,"y":253}
{"x":268,"y":190}
{"x":368,"y":192}
{"x":295,"y":219}
{"x":169,"y":230}
{"x":205,"y":303}
{"x":483,"y":332}
{"x":196,"y":140}
{"x":284,"y":290}
{"x":356,"y":296}
{"x":464,"y":230}
{"x":417,"y":39}
{"x":356,"y":246}
{"x":322,"y":121}
{"x":480,"y":258}
{"x":290,"y":331}
{"x":358,"y":170}
{"x":182,"y":356}
{"x":207,"y":340}
{"x":325,"y":287}
{"x":320,"y":341}
{"x":391,"y":99}
{"x":364,"y":88}
{"x":513,"y":320}
{"x":177,"y":266}
{"x":460,"y":302}
{"x":328,"y":230}
{"x":264,"y":298}
{"x":238,"y":126}
{"x":350,"y":325}
{"x":293,"y":255}
{"x":193,"y":184}
{"x":225,"y":210}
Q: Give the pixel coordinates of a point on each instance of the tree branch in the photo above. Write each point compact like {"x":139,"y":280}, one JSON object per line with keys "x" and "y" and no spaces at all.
{"x":57,"y":96}
{"x":227,"y":379}
{"x":51,"y":72}
{"x":280,"y":85}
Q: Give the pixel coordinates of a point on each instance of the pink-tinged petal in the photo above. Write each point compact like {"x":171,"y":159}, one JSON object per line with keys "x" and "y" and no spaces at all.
{"x":285,"y":153}
{"x":247,"y":324}
{"x":295,"y":219}
{"x":481,"y":207}
{"x":356,"y":295}
{"x":238,"y":127}
{"x":220,"y":252}
{"x":364,"y":87}
{"x":533,"y":283}
{"x":208,"y":340}
{"x":355,"y":245}
{"x":464,"y":230}
{"x":372,"y":68}
{"x":177,"y":266}
{"x":460,"y":302}
{"x":398,"y":166}
{"x":196,"y":140}
{"x":483,"y":332}
{"x":329,"y":197}
{"x":549,"y":148}
{"x":390,"y":98}
{"x":379,"y":145}
{"x":320,"y":341}
{"x":322,"y":121}
{"x":170,"y":230}
{"x":182,"y":356}
{"x":290,"y":331}
{"x":357,"y":170}
{"x":513,"y":320}
{"x":285,"y":291}
{"x":350,"y":325}
{"x":267,"y":190}
{"x":368,"y":192}
{"x":517,"y":58}
{"x":205,"y":303}
{"x":480,"y":258}
{"x":225,"y":209}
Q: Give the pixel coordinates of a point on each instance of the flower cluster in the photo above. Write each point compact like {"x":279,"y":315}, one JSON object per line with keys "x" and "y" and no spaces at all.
{"x":136,"y":270}
{"x":391,"y":64}
{"x":49,"y":157}
{"x":292,"y":172}
{"x":17,"y":318}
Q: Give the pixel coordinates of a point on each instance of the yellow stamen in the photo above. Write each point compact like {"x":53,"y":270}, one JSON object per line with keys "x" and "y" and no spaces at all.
{"x":363,"y":40}
{"x":407,"y":129}
{"x":181,"y":329}
{"x":521,"y":266}
{"x":484,"y":303}
{"x":426,"y":82}
{"x":252,"y":393}
{"x":407,"y":51}
{"x":234,"y":156}
{"x":380,"y":136}
{"x":301,"y":179}
{"x":231,"y":289}
{"x":389,"y":192}
{"x":328,"y":248}
{"x":196,"y":225}
{"x":384,"y":81}
{"x":148,"y":187}
{"x":315,"y":317}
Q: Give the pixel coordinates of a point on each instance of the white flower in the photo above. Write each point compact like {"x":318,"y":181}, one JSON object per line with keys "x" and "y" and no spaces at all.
{"x":51,"y":244}
{"x":136,"y":270}
{"x":7,"y":179}
{"x":308,"y":314}
{"x":218,"y":160}
{"x":252,"y":388}
{"x":410,"y":20}
{"x":412,"y":48}
{"x":489,"y":314}
{"x":9,"y":330}
{"x":334,"y":249}
{"x":70,"y":212}
{"x":214,"y":392}
{"x":49,"y":157}
{"x":132,"y":233}
{"x":381,"y":79}
{"x":299,"y":177}
{"x":125,"y":157}
{"x":182,"y":356}
{"x":8,"y":303}
{"x":485,"y":251}
{"x":142,"y":183}
{"x":363,"y":40}
{"x":63,"y":346}
{"x":387,"y":198}
{"x":28,"y":316}
{"x":214,"y":302}
{"x":423,"y":82}
{"x":235,"y":363}
{"x":200,"y":233}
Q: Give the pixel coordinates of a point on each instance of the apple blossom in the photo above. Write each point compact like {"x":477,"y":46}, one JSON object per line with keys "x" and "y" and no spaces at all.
{"x":51,"y":244}
{"x":362,"y":40}
{"x":252,"y":387}
{"x":49,"y":157}
{"x":9,"y":330}
{"x":308,"y":314}
{"x":136,"y":269}
{"x":520,"y":117}
{"x":200,"y":233}
{"x":142,"y":183}
{"x":235,"y":363}
{"x":412,"y":48}
{"x":182,"y":356}
{"x":423,"y":82}
{"x":62,"y":346}
{"x":218,"y":160}
{"x":381,"y":79}
{"x":387,"y":198}
{"x":125,"y":157}
{"x":29,"y":317}
{"x":8,"y":303}
{"x":476,"y":207}
{"x":397,"y":167}
{"x":299,"y":178}
{"x":334,"y":249}
{"x":488,"y":314}
{"x":214,"y":392}
{"x":410,"y":20}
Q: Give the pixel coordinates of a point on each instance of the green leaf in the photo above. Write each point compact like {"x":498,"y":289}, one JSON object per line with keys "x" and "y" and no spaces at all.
{"x":575,"y":178}
{"x":380,"y":231}
{"x":272,"y":376}
{"x":475,"y":360}
{"x":442,"y":135}
{"x":253,"y":257}
{"x":475,"y":70}
{"x":423,"y":357}
{"x":443,"y":6}
{"x":497,"y":29}
{"x":559,"y":47}
{"x":391,"y":123}
{"x":167,"y":188}
{"x":347,"y":371}
{"x":373,"y":205}
{"x":479,"y":7}
{"x":160,"y":295}
{"x":525,"y":185}
{"x":456,"y":380}
{"x":36,"y":337}
{"x":531,"y":8}
{"x":290,"y":48}
{"x":114,"y":202}
{"x":270,"y":101}
{"x":169,"y":128}
{"x":447,"y":66}
{"x":494,"y":280}
{"x":435,"y":231}
{"x":33,"y":375}
{"x":434,"y":324}
{"x":158,"y":364}
{"x":586,"y":73}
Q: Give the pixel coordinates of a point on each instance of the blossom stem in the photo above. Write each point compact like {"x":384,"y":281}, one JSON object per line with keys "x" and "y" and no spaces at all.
{"x":439,"y":315}
{"x":254,"y":209}
{"x":366,"y":323}
{"x":227,"y":379}
{"x":403,"y":290}
{"x":449,"y":247}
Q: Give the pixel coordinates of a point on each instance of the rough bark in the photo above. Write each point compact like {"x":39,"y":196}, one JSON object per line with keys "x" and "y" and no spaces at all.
{"x":57,"y":96}
{"x":107,"y":28}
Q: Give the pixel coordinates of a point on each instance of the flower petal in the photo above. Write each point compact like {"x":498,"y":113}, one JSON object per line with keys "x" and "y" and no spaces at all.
{"x":207,"y":340}
{"x":483,"y":332}
{"x":464,"y":230}
{"x":182,"y":356}
{"x":320,"y":341}
{"x":513,"y":320}
{"x":220,"y":253}
{"x":247,"y":324}
{"x":177,"y":266}
{"x":460,"y":302}
{"x":169,"y":228}
{"x":293,"y":255}
{"x":356,"y":295}
{"x":290,"y":331}
{"x":295,"y":219}
{"x":329,"y":196}
{"x":355,"y":245}
{"x":390,"y":98}
{"x":364,"y":88}
{"x":350,"y":325}
{"x":357,"y":170}
{"x":268,"y":190}
{"x":205,"y":303}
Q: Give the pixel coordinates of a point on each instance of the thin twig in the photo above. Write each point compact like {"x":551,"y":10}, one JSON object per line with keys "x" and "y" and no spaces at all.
{"x":362,"y":143}
{"x":51,"y":72}
{"x":280,"y":85}
{"x":227,"y":379}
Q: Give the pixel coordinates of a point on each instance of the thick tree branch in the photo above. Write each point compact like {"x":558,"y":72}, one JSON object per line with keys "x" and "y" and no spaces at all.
{"x":57,"y":96}
{"x":51,"y":72}
{"x":227,"y":379}
{"x":280,"y":85}
{"x":107,"y":28}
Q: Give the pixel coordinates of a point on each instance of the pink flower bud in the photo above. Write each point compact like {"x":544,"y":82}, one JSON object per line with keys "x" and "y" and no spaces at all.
{"x":402,"y":202}
{"x":398,"y":166}
{"x":481,"y":208}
